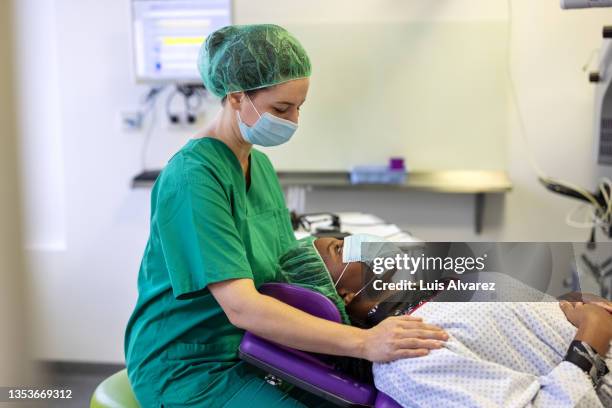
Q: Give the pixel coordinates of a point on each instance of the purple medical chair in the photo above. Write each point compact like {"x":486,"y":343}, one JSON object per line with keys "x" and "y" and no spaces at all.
{"x":309,"y":371}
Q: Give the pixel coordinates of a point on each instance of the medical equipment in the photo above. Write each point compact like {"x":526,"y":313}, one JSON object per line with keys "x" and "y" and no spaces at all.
{"x":167,"y":35}
{"x":575,"y":4}
{"x":597,"y":269}
{"x":600,"y":202}
{"x":603,"y":100}
{"x":193,"y":96}
{"x":318,"y":224}
{"x":312,"y":372}
{"x":602,"y":272}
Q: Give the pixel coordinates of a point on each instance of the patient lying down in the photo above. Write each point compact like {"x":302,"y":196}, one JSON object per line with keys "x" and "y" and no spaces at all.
{"x":498,"y":353}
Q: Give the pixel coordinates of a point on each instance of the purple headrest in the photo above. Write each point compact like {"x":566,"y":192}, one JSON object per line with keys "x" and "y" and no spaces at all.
{"x":304,"y":299}
{"x":309,"y":370}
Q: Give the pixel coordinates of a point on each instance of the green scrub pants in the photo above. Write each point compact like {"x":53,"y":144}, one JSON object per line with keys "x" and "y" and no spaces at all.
{"x":258,"y":393}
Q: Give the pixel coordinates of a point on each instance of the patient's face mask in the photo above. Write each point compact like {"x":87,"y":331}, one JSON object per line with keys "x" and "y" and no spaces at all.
{"x":354,"y":251}
{"x":352,"y":248}
{"x":269,"y":130}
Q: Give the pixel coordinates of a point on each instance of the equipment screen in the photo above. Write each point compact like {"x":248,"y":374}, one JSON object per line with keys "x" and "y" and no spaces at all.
{"x":168,"y":35}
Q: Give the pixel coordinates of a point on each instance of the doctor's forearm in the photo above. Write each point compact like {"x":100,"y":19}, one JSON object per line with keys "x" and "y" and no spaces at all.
{"x":271,"y":319}
{"x":279,"y":322}
{"x":393,"y":338}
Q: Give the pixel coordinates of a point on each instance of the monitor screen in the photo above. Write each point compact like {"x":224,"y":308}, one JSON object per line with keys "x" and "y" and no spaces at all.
{"x":168,"y":35}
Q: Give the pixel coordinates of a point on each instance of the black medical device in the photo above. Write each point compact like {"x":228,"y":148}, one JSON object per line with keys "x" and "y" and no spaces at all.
{"x":190,"y":93}
{"x":318,"y":224}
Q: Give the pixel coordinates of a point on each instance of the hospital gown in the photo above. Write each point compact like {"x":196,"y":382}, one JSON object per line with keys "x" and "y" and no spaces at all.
{"x":503,"y":354}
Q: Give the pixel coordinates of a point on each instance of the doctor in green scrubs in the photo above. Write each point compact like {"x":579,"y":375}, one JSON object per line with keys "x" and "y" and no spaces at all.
{"x":218,"y":226}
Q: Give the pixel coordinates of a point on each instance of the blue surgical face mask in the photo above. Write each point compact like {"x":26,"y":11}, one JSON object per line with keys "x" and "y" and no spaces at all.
{"x":269,"y":130}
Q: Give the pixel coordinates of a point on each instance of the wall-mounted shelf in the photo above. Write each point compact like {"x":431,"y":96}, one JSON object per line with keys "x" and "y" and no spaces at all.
{"x":476,"y":182}
{"x":441,"y":181}
{"x":145,"y":179}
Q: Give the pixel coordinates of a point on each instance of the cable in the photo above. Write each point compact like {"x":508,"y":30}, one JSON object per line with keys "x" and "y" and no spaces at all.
{"x":587,"y":64}
{"x":152,"y":94}
{"x":190,"y":112}
{"x":189,"y":93}
{"x":597,"y":220}
{"x":590,"y":197}
{"x":605,"y":187}
{"x":199,"y":100}
{"x":151,"y":108}
{"x":172,"y":117}
{"x":592,"y":222}
{"x":515,"y":100}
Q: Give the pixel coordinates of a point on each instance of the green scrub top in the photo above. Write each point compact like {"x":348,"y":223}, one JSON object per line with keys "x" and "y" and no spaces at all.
{"x":206,"y":227}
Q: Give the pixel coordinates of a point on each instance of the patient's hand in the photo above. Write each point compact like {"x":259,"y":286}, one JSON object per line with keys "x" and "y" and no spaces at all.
{"x":594,"y":324}
{"x":588,"y":298}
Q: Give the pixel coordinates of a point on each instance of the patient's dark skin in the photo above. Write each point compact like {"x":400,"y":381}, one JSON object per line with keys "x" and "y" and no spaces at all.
{"x":593,"y":318}
{"x":357,"y":306}
{"x":351,"y":282}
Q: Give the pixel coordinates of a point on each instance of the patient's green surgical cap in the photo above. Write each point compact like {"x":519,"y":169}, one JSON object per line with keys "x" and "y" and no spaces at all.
{"x":303,"y":266}
{"x":246,"y":57}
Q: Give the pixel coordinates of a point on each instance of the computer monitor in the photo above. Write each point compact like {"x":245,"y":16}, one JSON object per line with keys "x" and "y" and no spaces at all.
{"x":168,"y":35}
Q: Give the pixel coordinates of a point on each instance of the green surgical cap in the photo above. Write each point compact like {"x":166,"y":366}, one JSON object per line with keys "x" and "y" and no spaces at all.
{"x":246,"y":57}
{"x":303,"y":266}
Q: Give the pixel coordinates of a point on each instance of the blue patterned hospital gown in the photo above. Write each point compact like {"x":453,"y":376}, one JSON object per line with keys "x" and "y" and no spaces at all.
{"x":505,"y":354}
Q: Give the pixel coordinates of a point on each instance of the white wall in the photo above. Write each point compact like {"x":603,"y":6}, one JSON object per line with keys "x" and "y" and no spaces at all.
{"x":415,"y":86}
{"x":88,"y":229}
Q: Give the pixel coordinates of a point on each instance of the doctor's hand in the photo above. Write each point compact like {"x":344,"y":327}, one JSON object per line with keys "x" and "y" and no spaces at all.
{"x":401,"y":337}
{"x":593,"y":322}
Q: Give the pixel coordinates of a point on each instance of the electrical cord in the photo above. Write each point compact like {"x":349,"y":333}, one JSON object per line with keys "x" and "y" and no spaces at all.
{"x":189,"y":116}
{"x":605,"y":186}
{"x":514,"y":95}
{"x":150,"y":102}
{"x":199,"y":100}
{"x":171,"y":116}
{"x":189,"y":94}
{"x":590,"y":220}
{"x":587,"y":64}
{"x":149,"y":110}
